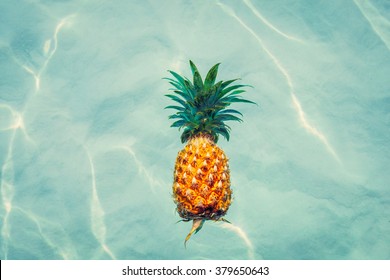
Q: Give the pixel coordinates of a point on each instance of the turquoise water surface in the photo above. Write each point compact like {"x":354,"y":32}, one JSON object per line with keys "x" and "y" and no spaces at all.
{"x":87,"y":154}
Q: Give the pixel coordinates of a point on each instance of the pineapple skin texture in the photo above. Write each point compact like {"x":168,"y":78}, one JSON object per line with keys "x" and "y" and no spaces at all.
{"x":201,"y":188}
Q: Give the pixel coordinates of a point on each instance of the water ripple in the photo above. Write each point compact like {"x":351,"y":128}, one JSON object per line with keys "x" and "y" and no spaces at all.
{"x":379,"y":24}
{"x":299,"y":110}
{"x":7,"y":170}
{"x":46,"y":50}
{"x":142,"y":170}
{"x":54,"y":236}
{"x":267,"y":23}
{"x":242,"y":234}
{"x":98,"y":225}
{"x":7,"y":193}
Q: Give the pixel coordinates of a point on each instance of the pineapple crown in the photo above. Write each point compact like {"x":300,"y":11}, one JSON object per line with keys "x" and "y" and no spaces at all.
{"x":202,"y":105}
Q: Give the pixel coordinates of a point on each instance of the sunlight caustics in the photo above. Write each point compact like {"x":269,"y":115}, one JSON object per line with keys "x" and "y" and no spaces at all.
{"x":47,"y":45}
{"x":47,"y":52}
{"x":7,"y":190}
{"x":379,"y":24}
{"x":7,"y":174}
{"x":59,"y":241}
{"x":305,"y":123}
{"x":18,"y":122}
{"x":7,"y":178}
{"x":310,"y":128}
{"x":142,"y":170}
{"x":98,"y":225}
{"x":267,"y":23}
{"x":242,"y":234}
{"x":36,"y":76}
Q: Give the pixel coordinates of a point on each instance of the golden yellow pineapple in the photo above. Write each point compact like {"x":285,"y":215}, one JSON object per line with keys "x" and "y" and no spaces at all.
{"x":201,"y":187}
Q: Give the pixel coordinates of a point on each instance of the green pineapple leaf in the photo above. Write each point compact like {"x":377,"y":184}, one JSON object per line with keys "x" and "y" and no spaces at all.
{"x":179,"y":78}
{"x":236,"y":99}
{"x":226,"y":83}
{"x":211,"y":76}
{"x":203,"y":105}
{"x":175,"y":107}
{"x":178,"y":123}
{"x":227,"y":117}
{"x":198,"y":83}
{"x":223,"y":131}
{"x":232,"y":111}
{"x":177,"y":99}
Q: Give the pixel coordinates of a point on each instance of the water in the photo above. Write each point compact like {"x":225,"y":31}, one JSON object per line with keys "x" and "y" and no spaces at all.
{"x":87,"y":155}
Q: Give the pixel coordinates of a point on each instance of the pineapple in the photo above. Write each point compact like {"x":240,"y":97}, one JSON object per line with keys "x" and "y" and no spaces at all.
{"x":201,"y":187}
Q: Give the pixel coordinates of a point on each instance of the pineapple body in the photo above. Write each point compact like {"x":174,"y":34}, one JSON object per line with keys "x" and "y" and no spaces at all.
{"x":201,"y":187}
